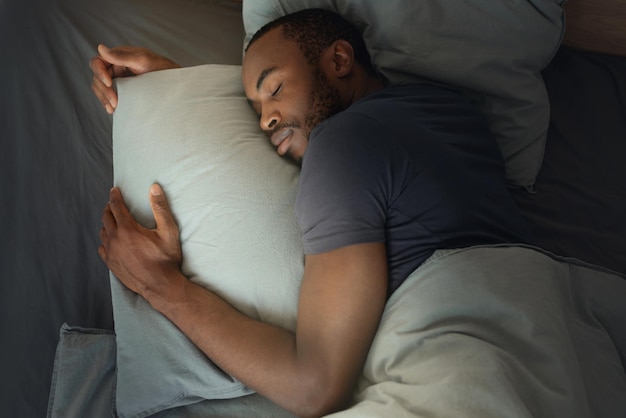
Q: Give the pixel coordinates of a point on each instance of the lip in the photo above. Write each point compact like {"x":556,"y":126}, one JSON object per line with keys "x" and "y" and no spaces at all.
{"x":278,"y":139}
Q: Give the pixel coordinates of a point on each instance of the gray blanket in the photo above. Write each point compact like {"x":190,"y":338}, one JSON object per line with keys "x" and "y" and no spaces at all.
{"x":479,"y":332}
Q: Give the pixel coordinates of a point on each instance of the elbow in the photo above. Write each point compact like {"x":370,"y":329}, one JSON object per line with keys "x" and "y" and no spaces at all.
{"x":321,"y":399}
{"x":318,"y":408}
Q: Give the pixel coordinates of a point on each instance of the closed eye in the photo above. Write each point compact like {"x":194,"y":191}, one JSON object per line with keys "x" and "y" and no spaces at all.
{"x":275,"y":92}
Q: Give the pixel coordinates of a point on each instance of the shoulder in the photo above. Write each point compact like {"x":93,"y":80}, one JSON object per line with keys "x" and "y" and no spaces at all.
{"x":402,"y":106}
{"x":352,"y":132}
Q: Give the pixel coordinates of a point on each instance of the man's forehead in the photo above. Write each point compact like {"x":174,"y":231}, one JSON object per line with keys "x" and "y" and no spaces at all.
{"x":270,"y":50}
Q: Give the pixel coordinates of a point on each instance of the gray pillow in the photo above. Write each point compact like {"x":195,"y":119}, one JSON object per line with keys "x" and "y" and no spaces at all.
{"x":192,"y":131}
{"x":493,"y":51}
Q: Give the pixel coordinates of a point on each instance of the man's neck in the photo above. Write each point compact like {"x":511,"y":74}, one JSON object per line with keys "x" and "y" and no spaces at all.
{"x":368,"y":86}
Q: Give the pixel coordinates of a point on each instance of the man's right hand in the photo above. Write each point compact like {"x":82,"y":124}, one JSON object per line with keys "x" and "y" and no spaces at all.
{"x":122,"y":61}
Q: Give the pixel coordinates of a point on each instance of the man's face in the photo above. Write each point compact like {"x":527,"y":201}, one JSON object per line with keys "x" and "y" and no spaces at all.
{"x":290,"y":97}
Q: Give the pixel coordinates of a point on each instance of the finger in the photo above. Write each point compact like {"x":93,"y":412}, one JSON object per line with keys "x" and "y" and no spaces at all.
{"x":102,"y":253}
{"x":107,"y":55}
{"x":118,"y":208}
{"x":103,"y":235}
{"x":161,"y":210}
{"x":108,"y":220}
{"x":100,"y":70}
{"x":123,"y":71}
{"x":106,"y":95}
{"x":126,"y":60}
{"x":104,"y":239}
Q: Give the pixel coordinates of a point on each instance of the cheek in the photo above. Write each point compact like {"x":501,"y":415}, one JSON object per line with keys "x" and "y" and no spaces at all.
{"x":324,"y":101}
{"x":301,"y":108}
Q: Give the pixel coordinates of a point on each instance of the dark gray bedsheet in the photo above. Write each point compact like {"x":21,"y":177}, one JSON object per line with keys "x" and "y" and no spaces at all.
{"x":55,"y":163}
{"x":579,"y":209}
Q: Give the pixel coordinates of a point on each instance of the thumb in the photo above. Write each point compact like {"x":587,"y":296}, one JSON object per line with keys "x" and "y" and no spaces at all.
{"x":161,"y":210}
{"x":108,"y":55}
{"x":129,"y":58}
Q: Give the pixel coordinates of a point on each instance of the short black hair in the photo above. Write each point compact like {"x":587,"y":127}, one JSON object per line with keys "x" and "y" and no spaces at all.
{"x":315,"y":30}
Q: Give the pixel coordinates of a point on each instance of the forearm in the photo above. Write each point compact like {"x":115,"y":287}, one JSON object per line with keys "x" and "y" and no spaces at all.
{"x":262,"y":356}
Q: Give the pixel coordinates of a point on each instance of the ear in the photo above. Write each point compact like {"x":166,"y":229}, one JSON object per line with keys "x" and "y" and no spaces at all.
{"x":340,"y":58}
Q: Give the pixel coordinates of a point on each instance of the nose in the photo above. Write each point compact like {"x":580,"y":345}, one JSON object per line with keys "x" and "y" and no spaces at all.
{"x":269,"y":120}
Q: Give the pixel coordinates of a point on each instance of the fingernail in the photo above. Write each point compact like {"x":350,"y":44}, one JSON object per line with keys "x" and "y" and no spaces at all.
{"x":155,"y":190}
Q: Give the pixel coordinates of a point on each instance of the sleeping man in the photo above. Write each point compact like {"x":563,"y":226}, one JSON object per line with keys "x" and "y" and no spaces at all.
{"x":389,"y":174}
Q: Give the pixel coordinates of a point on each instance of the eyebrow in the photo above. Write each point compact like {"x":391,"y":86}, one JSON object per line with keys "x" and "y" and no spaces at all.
{"x":263,"y":76}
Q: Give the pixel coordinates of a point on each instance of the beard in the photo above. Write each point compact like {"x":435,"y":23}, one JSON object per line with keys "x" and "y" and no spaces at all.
{"x":324,"y":101}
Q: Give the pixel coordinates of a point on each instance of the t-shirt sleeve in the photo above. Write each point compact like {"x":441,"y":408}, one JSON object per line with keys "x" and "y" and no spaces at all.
{"x":344,"y":185}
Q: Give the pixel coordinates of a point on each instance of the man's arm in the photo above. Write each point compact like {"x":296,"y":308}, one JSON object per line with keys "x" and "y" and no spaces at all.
{"x":311,"y":372}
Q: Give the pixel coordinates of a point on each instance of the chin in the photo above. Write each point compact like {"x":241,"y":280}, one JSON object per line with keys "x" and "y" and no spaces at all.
{"x":297,"y":149}
{"x":294,"y":158}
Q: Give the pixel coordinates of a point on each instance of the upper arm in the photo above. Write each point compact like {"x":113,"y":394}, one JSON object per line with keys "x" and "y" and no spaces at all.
{"x":345,"y":185}
{"x":341,"y":301}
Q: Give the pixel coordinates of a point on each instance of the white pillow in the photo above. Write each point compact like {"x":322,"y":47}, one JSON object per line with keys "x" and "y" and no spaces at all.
{"x":492,"y":50}
{"x":192,"y":131}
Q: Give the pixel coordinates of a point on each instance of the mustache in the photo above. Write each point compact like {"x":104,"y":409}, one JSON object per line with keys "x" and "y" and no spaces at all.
{"x":286,"y":125}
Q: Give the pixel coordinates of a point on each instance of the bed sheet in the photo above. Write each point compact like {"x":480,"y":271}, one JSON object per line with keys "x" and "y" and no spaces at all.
{"x":83,"y":384}
{"x":579,"y":208}
{"x":56,"y":166}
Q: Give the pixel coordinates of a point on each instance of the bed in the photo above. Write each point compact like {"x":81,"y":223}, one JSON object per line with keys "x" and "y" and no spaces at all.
{"x":59,"y":347}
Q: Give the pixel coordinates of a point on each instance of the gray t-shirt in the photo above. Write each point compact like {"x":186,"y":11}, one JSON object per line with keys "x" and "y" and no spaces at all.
{"x":413,"y":166}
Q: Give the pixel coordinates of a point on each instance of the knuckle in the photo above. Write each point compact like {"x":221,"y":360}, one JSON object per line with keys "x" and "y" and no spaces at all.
{"x":110,"y":95}
{"x":119,"y":52}
{"x":160,"y":204}
{"x":144,"y":61}
{"x":95,"y":62}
